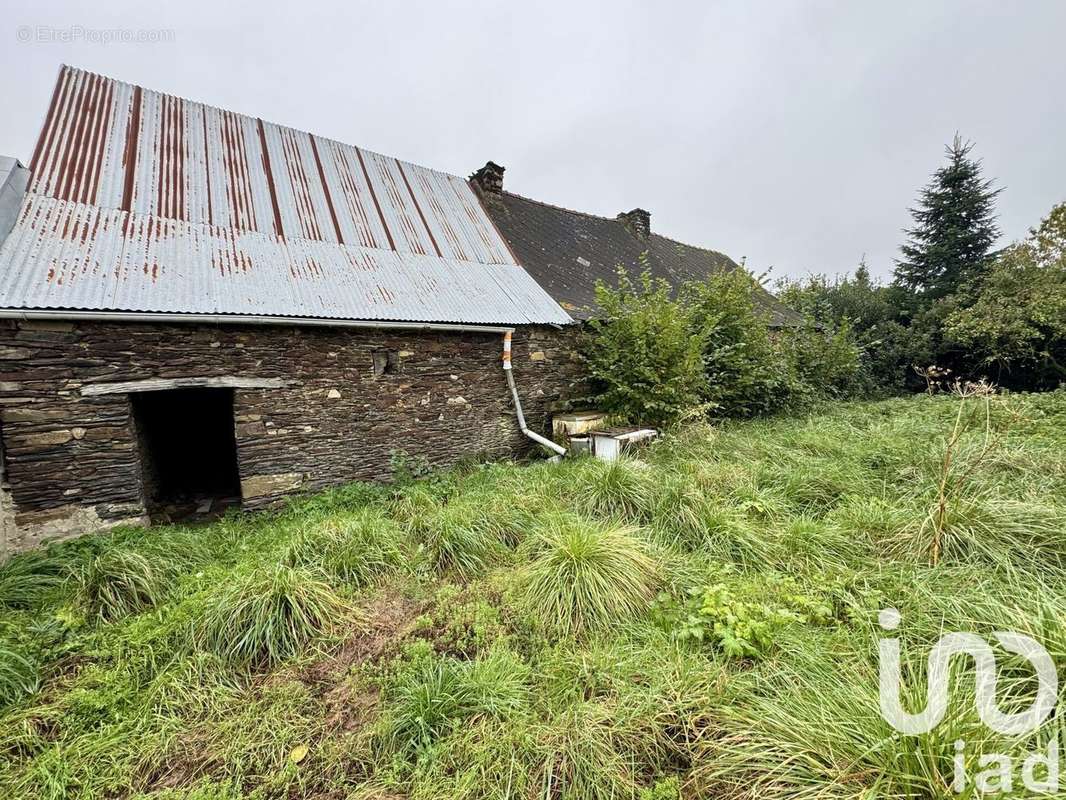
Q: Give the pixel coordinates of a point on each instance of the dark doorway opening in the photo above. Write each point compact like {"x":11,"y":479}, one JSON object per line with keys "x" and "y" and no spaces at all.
{"x":188,"y":452}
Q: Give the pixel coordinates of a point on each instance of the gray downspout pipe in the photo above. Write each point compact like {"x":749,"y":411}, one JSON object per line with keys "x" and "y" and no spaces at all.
{"x":536,"y":437}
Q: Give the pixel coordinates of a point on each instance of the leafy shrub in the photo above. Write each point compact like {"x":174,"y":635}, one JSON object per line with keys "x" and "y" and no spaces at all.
{"x":355,"y":548}
{"x":742,"y":618}
{"x":643,"y":352}
{"x":120,"y":582}
{"x":879,"y":319}
{"x":262,"y":617}
{"x":823,"y":363}
{"x":585,"y":576}
{"x":745,"y":373}
{"x":642,"y":355}
{"x":1017,"y":323}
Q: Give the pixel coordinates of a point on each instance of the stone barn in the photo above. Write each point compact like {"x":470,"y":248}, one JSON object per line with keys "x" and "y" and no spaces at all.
{"x":200,"y":309}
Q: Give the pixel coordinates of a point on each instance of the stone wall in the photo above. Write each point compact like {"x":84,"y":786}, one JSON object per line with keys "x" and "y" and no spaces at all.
{"x":72,"y":460}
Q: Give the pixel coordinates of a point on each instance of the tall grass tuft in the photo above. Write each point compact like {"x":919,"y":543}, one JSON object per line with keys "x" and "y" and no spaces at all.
{"x":263,"y":617}
{"x":457,"y":539}
{"x":585,"y":575}
{"x":27,"y":578}
{"x":18,"y":675}
{"x":689,"y":517}
{"x":120,"y":582}
{"x":356,"y":548}
{"x":810,"y":728}
{"x":432,"y":697}
{"x":621,"y":490}
{"x":986,"y":529}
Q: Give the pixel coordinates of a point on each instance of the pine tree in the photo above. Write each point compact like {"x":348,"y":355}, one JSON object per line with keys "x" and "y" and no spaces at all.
{"x":955,"y":227}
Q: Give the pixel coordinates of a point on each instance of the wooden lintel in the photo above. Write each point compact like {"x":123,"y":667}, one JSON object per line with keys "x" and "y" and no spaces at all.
{"x":162,"y":384}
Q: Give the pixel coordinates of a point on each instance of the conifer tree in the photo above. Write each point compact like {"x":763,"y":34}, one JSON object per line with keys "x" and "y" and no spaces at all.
{"x":955,"y":227}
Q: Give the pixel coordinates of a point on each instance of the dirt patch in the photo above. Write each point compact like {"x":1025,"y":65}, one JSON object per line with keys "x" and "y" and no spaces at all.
{"x":346,"y":706}
{"x":182,"y":767}
{"x":390,"y":619}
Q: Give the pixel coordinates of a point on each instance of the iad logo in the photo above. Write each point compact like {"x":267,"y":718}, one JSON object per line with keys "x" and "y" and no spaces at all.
{"x":985,"y":663}
{"x":1016,"y":724}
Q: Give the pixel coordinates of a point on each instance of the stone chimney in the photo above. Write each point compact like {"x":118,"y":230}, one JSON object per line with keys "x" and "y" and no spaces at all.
{"x":489,"y":178}
{"x":638,"y":221}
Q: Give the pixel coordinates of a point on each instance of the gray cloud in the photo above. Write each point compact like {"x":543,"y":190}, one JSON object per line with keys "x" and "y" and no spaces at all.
{"x":796,"y":134}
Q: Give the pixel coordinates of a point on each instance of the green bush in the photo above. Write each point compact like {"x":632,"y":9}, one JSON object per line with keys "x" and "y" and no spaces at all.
{"x":744,"y":371}
{"x":879,"y":319}
{"x":642,"y":355}
{"x":1017,"y":323}
{"x":823,"y":362}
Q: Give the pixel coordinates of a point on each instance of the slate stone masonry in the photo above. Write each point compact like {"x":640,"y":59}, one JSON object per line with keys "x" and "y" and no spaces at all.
{"x":72,"y":462}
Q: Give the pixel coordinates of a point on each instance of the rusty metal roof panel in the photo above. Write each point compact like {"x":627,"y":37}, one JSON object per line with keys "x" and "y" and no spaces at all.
{"x":141,"y":201}
{"x":64,"y":255}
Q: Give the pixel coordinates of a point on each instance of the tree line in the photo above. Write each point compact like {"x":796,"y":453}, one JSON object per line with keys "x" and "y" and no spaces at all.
{"x":954,"y":310}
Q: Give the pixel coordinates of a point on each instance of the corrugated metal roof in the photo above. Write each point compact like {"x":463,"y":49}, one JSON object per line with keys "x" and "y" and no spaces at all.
{"x":141,"y":201}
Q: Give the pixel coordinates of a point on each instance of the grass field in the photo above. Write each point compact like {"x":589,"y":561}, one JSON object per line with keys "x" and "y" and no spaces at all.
{"x":701,"y":622}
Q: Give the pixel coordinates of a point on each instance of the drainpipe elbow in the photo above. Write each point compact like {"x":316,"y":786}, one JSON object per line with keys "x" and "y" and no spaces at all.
{"x":536,"y":437}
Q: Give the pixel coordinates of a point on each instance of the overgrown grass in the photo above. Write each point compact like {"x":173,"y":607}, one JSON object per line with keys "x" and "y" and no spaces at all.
{"x":265,"y":616}
{"x":26,"y":579}
{"x":699,"y":621}
{"x":118,"y":582}
{"x":456,"y":538}
{"x":586,"y":575}
{"x":358,"y":548}
{"x":18,"y":675}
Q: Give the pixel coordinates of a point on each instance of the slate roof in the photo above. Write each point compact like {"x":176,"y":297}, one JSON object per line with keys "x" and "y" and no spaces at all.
{"x":567,"y":251}
{"x":144,"y":202}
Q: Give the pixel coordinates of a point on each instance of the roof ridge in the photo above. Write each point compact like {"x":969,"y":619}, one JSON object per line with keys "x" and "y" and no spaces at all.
{"x":284,"y":126}
{"x":615,"y":219}
{"x":560,"y":208}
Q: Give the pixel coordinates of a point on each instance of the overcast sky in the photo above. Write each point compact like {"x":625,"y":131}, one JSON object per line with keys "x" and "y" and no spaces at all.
{"x":793,"y":133}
